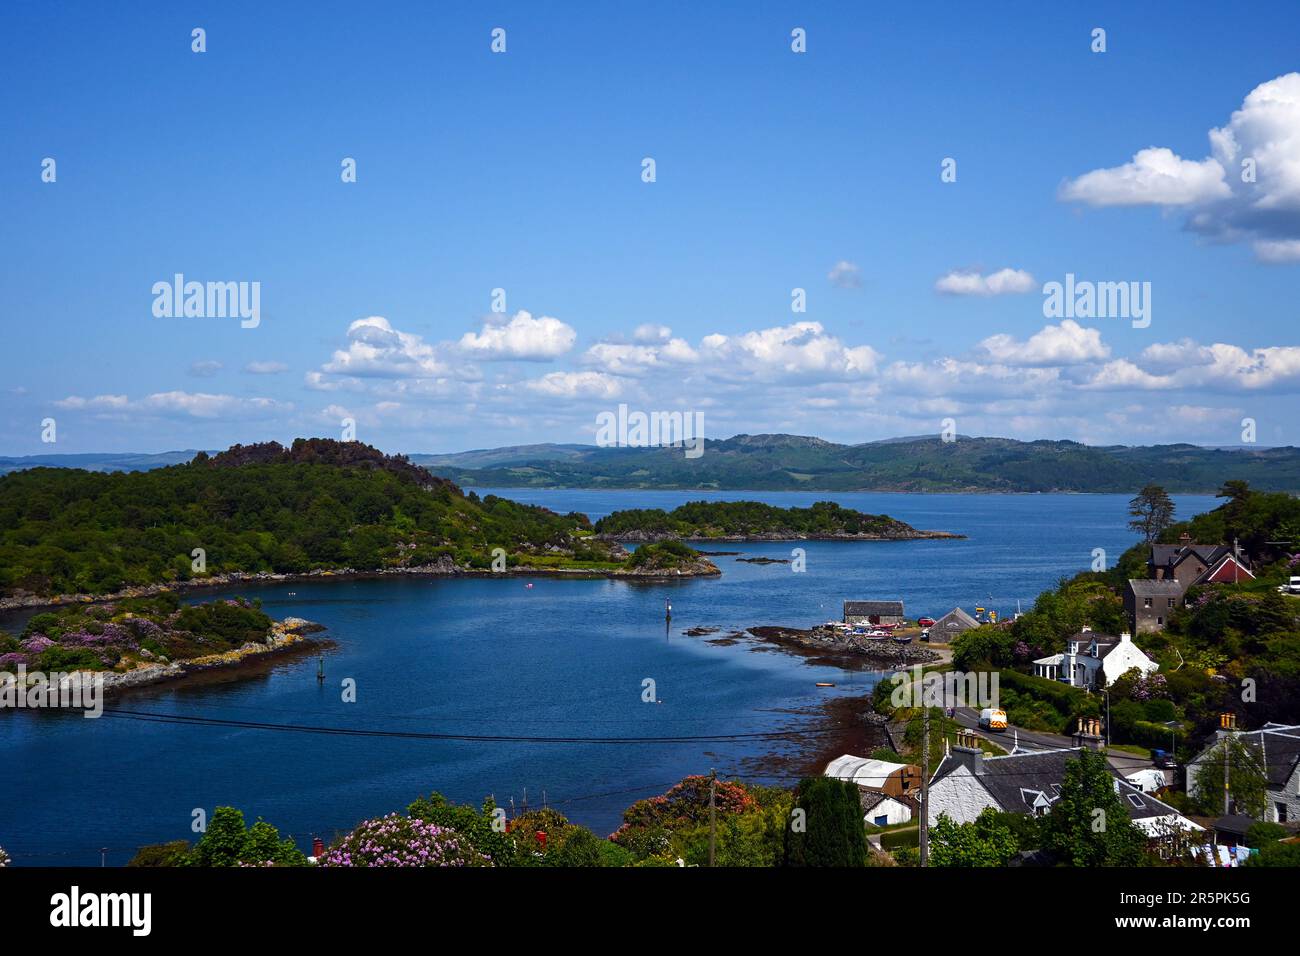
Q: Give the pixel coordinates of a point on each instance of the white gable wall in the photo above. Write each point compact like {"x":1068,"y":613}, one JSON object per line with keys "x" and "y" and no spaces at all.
{"x":960,"y":796}
{"x":1123,"y":658}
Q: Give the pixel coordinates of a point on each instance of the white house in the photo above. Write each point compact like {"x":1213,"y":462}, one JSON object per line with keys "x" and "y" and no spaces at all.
{"x":1094,"y":660}
{"x":882,"y":810}
{"x":969,"y":781}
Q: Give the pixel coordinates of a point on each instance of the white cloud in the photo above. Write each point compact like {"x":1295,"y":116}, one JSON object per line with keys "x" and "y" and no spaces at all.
{"x":205,"y":369}
{"x":1247,"y":190}
{"x":1219,"y":367}
{"x":1156,"y":176}
{"x":970,"y":282}
{"x":178,"y":404}
{"x":1277,"y":250}
{"x":845,"y":275}
{"x":522,"y":337}
{"x":1066,"y":344}
{"x":576,"y":385}
{"x":801,"y":349}
{"x":265,"y":368}
{"x":650,"y":332}
{"x":376,"y":349}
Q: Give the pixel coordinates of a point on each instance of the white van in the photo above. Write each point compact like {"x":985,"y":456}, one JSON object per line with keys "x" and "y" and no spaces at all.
{"x":991,"y":718}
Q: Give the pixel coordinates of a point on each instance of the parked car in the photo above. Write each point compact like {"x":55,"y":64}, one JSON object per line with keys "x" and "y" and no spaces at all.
{"x":926,"y":622}
{"x":1292,"y":586}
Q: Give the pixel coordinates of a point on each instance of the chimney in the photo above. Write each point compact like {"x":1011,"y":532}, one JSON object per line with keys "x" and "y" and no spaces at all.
{"x":967,"y":753}
{"x":1088,"y":733}
{"x":1184,"y":539}
{"x":1125,"y":637}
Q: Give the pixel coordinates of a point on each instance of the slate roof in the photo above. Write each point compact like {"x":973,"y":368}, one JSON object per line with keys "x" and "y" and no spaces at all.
{"x":873,"y":798}
{"x":1281,"y":746}
{"x":1149,"y":587}
{"x":956,"y":621}
{"x":1105,"y":642}
{"x":1163,"y":555}
{"x":868,"y":608}
{"x":1016,"y":782}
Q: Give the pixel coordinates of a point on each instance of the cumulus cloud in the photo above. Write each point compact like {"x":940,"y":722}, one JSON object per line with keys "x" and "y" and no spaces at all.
{"x":845,"y":275}
{"x":1066,"y":344}
{"x":1220,"y":367}
{"x":1248,"y":189}
{"x":800,"y":349}
{"x":1155,"y":177}
{"x":650,"y":332}
{"x":376,"y":349}
{"x":522,"y":337}
{"x":970,"y":282}
{"x":577,"y":385}
{"x":178,"y":404}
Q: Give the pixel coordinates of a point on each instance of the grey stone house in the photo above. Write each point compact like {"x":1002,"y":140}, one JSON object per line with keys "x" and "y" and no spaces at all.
{"x":1279,"y":746}
{"x":866,"y":613}
{"x":1149,"y":603}
{"x":952,"y":624}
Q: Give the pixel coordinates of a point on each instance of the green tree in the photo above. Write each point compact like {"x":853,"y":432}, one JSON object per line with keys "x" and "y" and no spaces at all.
{"x":988,"y":841}
{"x":1152,"y":511}
{"x":227,"y":842}
{"x":829,"y":831}
{"x":1247,"y":780}
{"x":1088,"y":825}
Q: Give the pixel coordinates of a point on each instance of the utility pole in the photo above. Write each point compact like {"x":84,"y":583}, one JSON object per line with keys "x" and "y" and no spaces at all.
{"x":713,"y":813}
{"x":1226,"y":747}
{"x":103,"y":856}
{"x":925,"y":785}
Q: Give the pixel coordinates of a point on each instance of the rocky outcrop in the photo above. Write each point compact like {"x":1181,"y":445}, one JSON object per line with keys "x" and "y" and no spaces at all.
{"x":884,"y":652}
{"x":283,"y":636}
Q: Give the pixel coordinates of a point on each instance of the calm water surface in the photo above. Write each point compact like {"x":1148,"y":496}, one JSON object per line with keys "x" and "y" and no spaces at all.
{"x":496,"y":657}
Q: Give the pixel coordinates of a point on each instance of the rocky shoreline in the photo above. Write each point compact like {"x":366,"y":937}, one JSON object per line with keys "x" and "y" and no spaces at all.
{"x":650,"y":537}
{"x":445,"y":567}
{"x":884,"y":652}
{"x":284,"y":637}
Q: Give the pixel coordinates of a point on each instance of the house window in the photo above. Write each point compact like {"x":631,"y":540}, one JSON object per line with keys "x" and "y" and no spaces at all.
{"x":1160,"y":620}
{"x":1134,"y":799}
{"x":1281,"y":813}
{"x":1146,"y":602}
{"x":1171,"y":602}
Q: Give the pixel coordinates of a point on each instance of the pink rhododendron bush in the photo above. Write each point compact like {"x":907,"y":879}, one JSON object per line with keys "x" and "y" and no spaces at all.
{"x":396,"y":840}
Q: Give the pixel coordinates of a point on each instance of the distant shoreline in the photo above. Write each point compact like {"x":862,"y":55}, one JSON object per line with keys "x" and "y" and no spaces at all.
{"x":235,"y":579}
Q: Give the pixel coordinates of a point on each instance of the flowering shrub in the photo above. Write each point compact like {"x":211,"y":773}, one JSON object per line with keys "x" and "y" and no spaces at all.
{"x":4,"y":857}
{"x":396,"y":840}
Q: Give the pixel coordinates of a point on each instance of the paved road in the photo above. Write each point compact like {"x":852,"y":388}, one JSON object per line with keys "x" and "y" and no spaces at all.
{"x":1038,"y":740}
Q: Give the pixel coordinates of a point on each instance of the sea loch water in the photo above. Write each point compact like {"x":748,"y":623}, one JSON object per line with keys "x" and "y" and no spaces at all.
{"x":495,"y":657}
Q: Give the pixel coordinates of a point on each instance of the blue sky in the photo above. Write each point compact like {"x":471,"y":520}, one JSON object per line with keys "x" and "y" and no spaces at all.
{"x":523,"y":171}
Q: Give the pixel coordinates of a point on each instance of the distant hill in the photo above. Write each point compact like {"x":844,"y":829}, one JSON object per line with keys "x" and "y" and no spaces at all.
{"x":793,"y":463}
{"x":125,"y":461}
